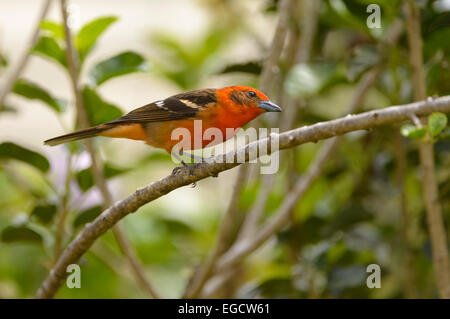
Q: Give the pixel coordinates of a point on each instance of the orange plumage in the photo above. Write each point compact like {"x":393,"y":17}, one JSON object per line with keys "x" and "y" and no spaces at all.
{"x":228,"y":107}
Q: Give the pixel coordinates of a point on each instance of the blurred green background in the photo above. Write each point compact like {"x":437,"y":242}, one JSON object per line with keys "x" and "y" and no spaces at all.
{"x":134,"y":52}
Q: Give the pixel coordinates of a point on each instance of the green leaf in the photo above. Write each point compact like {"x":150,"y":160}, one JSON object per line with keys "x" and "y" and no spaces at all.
{"x":124,"y":63}
{"x":20,"y":233}
{"x":55,"y":29}
{"x":89,"y":33}
{"x":10,"y":150}
{"x":44,"y":212}
{"x":412,"y":131}
{"x":305,"y":80}
{"x":87,"y":216}
{"x":438,"y":77}
{"x":344,"y":17}
{"x":436,"y":123}
{"x":98,"y":110}
{"x":85,"y":178}
{"x":437,"y":41}
{"x":32,"y":91}
{"x":50,"y":48}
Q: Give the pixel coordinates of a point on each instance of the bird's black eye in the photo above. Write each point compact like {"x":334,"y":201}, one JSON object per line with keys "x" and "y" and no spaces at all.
{"x":251,"y":94}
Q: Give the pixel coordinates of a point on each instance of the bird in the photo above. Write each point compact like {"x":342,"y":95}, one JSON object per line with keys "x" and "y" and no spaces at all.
{"x":225,"y":108}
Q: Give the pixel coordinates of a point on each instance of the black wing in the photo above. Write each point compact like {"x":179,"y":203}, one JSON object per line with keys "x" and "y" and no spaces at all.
{"x":177,"y":107}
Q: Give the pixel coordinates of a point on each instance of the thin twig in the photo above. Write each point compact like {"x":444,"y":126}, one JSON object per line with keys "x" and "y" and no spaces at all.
{"x":188,"y":175}
{"x":435,"y":220}
{"x":97,"y":166}
{"x":408,"y":273}
{"x":23,"y":60}
{"x":64,"y":209}
{"x":270,"y":67}
{"x":256,"y":212}
{"x":309,"y":18}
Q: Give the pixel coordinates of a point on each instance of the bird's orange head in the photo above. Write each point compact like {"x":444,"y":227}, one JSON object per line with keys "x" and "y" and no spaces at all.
{"x":242,"y":104}
{"x":241,"y":98}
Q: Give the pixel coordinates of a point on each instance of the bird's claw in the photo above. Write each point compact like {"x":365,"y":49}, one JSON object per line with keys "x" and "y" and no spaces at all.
{"x":176,"y":170}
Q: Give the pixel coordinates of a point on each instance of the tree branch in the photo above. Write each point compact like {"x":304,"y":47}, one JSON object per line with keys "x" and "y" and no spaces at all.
{"x":217,"y":164}
{"x":435,"y":220}
{"x":97,"y":166}
{"x":23,"y":60}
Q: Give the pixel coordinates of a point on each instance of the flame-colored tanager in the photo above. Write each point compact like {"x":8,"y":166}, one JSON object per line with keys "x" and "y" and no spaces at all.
{"x":228,"y":107}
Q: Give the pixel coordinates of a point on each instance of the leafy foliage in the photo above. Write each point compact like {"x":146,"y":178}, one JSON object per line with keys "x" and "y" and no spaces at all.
{"x":50,"y":48}
{"x":9,"y":150}
{"x":187,"y":64}
{"x":436,"y":123}
{"x":85,"y":178}
{"x":89,"y":33}
{"x":13,"y":234}
{"x":87,"y":216}
{"x":31,"y":90}
{"x":98,"y":110}
{"x":121,"y":64}
{"x":44,"y":212}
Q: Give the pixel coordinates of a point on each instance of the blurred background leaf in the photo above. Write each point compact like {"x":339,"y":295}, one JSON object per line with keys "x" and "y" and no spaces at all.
{"x":32,"y":90}
{"x":13,"y":234}
{"x":98,"y":110}
{"x":44,"y":212}
{"x":121,"y":64}
{"x":89,"y":33}
{"x":49,"y":47}
{"x":9,"y":150}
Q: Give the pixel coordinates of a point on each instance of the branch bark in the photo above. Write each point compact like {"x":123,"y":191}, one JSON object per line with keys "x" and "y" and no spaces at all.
{"x":189,"y":175}
{"x":21,"y":64}
{"x":435,"y":221}
{"x":97,"y":166}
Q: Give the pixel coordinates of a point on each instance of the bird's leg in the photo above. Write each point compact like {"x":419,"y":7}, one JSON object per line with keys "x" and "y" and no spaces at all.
{"x":176,"y":169}
{"x":198,"y":159}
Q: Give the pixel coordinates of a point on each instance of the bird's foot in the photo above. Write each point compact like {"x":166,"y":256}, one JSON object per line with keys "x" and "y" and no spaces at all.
{"x":177,"y":169}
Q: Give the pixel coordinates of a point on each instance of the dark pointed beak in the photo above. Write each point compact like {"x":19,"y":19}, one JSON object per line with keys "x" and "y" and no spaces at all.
{"x":269,"y":106}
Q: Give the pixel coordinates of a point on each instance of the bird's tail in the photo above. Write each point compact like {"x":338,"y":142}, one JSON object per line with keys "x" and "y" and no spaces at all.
{"x":78,"y":135}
